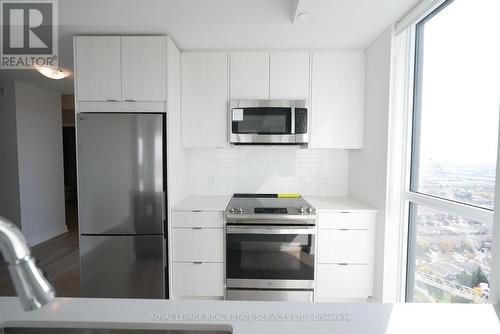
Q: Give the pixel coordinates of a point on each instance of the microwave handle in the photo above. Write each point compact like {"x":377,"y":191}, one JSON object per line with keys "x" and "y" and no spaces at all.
{"x":292,"y":118}
{"x":268,"y":230}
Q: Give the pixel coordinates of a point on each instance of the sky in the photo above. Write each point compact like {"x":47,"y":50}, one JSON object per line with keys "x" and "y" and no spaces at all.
{"x":461,"y":84}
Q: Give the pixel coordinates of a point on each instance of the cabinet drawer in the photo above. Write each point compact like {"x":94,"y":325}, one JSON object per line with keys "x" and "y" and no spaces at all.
{"x":345,"y":246}
{"x":198,"y":219}
{"x":204,"y":245}
{"x":198,"y":280}
{"x":349,"y":220}
{"x":343,"y":281}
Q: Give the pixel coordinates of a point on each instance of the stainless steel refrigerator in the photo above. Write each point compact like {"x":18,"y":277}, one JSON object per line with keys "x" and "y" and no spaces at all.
{"x":121,"y":202}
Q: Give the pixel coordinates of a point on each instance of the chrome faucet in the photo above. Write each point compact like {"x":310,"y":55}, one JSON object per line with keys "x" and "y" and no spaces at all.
{"x":31,"y":286}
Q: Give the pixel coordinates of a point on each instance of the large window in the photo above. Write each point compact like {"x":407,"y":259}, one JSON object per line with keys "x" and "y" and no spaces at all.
{"x":454,"y":153}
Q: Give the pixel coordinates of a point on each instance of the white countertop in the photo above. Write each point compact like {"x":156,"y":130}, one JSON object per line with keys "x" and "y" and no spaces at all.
{"x":321,"y":203}
{"x":334,"y":204}
{"x":252,"y":317}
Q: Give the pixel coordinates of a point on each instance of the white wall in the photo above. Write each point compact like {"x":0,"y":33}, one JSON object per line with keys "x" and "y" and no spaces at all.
{"x":40,"y":159}
{"x":9,"y":174}
{"x":268,"y":169}
{"x":368,"y":167}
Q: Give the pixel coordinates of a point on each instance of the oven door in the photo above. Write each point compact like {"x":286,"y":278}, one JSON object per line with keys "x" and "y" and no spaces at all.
{"x":270,"y":257}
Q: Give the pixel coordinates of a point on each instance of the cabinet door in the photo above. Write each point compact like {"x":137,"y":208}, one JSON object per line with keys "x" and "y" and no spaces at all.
{"x":98,"y":68}
{"x":337,"y":100}
{"x":250,"y":76}
{"x":198,"y":280}
{"x":203,"y":245}
{"x":204,"y":95}
{"x":198,"y":219}
{"x":143,"y":68}
{"x":347,"y":220}
{"x":345,"y":246}
{"x":289,"y":75}
{"x":343,"y":281}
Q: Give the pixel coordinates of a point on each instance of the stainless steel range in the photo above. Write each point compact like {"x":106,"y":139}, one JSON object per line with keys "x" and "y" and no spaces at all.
{"x":270,"y":247}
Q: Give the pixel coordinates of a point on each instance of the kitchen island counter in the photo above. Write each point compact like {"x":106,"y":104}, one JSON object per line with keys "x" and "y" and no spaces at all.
{"x":254,"y":317}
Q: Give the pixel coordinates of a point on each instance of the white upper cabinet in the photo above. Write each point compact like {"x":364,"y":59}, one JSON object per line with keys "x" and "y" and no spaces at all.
{"x":144,"y":68}
{"x":98,"y":68}
{"x":289,"y":75}
{"x":337,"y":100}
{"x":120,"y":68}
{"x":204,"y":98}
{"x":250,"y":76}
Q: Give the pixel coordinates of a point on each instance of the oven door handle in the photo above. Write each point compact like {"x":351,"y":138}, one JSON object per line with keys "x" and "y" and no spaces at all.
{"x":269,"y":230}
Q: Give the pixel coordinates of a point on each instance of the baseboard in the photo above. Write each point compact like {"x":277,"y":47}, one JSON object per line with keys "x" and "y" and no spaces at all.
{"x":35,"y":240}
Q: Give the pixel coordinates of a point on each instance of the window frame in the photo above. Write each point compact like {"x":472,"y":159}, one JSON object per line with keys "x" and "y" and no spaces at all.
{"x":413,"y":198}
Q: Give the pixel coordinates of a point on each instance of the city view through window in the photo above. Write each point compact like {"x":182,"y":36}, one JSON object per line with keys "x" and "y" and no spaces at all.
{"x":455,"y":151}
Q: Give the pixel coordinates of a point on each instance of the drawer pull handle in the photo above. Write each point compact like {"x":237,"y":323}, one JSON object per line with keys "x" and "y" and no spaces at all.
{"x":344,"y":212}
{"x":342,"y":264}
{"x":196,"y":210}
{"x":111,"y":100}
{"x":196,"y":228}
{"x":197,"y":262}
{"x":344,"y":229}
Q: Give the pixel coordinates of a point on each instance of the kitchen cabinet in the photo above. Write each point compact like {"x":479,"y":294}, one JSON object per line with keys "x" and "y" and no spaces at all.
{"x":198,"y":218}
{"x":198,"y":280}
{"x":97,"y":68}
{"x":345,"y":255}
{"x":144,"y":68}
{"x":204,"y":99}
{"x":250,"y":76}
{"x":337,"y":100}
{"x":120,"y":68}
{"x":347,"y":220}
{"x":197,"y":246}
{"x":289,"y":75}
{"x":345,"y":246}
{"x":343,"y":281}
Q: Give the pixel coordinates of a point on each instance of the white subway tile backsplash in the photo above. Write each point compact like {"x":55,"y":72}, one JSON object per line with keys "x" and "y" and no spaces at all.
{"x":268,"y":169}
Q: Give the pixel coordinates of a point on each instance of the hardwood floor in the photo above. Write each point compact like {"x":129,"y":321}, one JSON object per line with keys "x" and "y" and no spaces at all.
{"x":58,"y":258}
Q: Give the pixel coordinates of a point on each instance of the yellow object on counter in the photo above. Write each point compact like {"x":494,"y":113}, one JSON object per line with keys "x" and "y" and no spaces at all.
{"x":289,"y":196}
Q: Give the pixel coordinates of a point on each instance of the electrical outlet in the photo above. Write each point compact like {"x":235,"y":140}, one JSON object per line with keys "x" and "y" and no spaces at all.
{"x":211,"y":180}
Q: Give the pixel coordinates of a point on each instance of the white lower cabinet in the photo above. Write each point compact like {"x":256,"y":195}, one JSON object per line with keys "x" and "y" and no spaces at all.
{"x":345,"y":255}
{"x":345,"y":246}
{"x":192,"y":280}
{"x":197,"y":246}
{"x":337,"y":281}
{"x":198,"y":218}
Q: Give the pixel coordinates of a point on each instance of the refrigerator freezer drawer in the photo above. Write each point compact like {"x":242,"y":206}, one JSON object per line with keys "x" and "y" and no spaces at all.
{"x":122,"y":266}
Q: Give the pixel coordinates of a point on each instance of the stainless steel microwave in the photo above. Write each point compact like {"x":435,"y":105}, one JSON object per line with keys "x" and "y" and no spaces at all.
{"x":268,"y":122}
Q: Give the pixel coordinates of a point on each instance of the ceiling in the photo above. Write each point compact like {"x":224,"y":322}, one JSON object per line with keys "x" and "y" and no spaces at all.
{"x":223,"y":24}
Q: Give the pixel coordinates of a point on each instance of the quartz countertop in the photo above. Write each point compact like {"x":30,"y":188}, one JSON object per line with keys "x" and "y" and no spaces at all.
{"x":242,"y":317}
{"x":320,"y":203}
